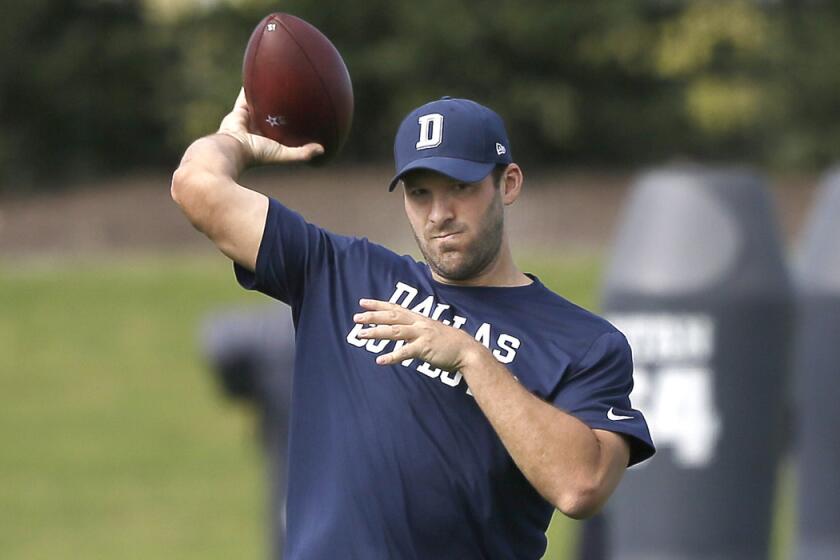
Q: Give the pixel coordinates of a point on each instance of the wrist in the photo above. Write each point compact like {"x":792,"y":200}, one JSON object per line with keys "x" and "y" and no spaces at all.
{"x":472,"y":355}
{"x":224,"y":153}
{"x":235,"y":146}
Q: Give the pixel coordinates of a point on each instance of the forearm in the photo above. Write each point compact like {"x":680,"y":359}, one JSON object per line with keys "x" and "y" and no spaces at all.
{"x":572,"y":466}
{"x":205,"y":187}
{"x":557,"y":453}
{"x":205,"y":184}
{"x":210,"y":166}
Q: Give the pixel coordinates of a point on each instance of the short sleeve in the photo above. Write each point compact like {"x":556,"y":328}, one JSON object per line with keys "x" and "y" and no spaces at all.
{"x":597,"y":392}
{"x":291,"y":252}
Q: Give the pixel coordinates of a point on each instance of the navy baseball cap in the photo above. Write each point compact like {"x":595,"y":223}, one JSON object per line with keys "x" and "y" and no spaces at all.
{"x":456,"y":137}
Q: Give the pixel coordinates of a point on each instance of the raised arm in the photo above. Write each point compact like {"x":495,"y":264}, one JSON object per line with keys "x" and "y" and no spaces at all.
{"x":205,"y":184}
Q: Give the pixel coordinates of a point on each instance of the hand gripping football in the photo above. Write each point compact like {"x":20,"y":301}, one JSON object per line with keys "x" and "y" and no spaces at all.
{"x":296,"y":84}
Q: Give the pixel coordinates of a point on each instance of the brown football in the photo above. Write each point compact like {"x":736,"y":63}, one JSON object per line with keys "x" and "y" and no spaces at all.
{"x":297,"y":85}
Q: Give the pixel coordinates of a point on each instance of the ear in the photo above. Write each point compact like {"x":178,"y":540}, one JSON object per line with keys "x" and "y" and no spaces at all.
{"x":511,"y":186}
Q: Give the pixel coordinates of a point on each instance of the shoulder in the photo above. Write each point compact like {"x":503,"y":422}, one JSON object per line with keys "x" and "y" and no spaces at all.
{"x":361,"y":252}
{"x":582,"y":331}
{"x":587,"y":324}
{"x":361,"y":262}
{"x":281,"y":219}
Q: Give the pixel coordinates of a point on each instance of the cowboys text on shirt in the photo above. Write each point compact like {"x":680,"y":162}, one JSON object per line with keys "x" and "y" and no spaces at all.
{"x":504,"y":346}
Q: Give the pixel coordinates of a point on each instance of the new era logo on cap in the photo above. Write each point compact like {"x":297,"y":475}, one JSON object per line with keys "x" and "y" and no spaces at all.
{"x":456,"y":137}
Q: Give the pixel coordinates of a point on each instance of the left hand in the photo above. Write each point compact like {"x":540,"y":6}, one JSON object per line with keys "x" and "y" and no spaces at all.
{"x":440,"y":345}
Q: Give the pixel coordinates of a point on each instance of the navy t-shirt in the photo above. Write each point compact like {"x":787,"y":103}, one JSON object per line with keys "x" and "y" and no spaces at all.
{"x":399,"y":461}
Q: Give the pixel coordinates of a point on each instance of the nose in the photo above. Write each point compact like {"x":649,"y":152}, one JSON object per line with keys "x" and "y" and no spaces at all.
{"x":442,"y":209}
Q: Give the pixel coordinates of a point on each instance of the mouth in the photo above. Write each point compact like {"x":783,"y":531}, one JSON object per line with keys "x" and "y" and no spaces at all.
{"x":446,"y":236}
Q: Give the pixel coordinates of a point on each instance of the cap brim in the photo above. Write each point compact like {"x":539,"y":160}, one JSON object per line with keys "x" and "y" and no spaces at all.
{"x":458,"y":169}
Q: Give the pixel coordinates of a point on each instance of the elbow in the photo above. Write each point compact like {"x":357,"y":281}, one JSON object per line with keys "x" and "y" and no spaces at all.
{"x":579,"y":503}
{"x":182,"y":182}
{"x":190,"y":189}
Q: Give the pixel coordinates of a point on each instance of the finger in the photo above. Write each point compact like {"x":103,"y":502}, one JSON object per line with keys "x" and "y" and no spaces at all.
{"x":389,"y":332}
{"x":389,"y":317}
{"x":241,"y":102}
{"x":299,"y":153}
{"x":267,"y":150}
{"x":311,"y":150}
{"x":236,"y":120}
{"x":398,"y":355}
{"x":376,"y":304}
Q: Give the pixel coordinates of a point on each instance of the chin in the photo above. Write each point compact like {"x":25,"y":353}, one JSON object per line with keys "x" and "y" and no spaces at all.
{"x":455,"y":265}
{"x":454,"y":271}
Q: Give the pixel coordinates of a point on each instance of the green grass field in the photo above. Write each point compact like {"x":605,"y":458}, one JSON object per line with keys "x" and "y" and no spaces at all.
{"x":116,"y":443}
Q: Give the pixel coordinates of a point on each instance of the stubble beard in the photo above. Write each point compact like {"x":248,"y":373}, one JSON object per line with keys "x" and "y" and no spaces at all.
{"x":475,"y":257}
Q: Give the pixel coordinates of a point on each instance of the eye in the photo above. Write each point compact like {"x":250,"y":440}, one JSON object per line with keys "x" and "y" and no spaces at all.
{"x":460,"y":187}
{"x":416,"y":192}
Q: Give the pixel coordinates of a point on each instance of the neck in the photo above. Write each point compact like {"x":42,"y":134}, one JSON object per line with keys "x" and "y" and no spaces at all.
{"x":501,"y":272}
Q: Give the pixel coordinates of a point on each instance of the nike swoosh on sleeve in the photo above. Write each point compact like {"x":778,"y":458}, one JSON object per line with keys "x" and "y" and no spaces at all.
{"x":613,"y":416}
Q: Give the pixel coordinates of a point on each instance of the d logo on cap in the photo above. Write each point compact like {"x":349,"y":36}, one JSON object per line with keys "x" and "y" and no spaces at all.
{"x":476,"y":141}
{"x":431,"y":131}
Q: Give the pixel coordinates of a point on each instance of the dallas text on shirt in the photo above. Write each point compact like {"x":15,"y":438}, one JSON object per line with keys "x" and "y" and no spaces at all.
{"x":504,"y":347}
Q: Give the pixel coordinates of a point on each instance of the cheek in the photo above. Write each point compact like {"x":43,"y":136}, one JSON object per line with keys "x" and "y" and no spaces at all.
{"x":415,"y":219}
{"x":414,"y":222}
{"x":476,"y":221}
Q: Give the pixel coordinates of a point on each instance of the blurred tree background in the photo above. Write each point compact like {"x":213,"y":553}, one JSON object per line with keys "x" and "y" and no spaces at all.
{"x":97,"y":87}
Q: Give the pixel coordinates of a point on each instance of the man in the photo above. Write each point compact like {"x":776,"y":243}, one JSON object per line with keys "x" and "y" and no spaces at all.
{"x":440,"y":409}
{"x":251,"y":352}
